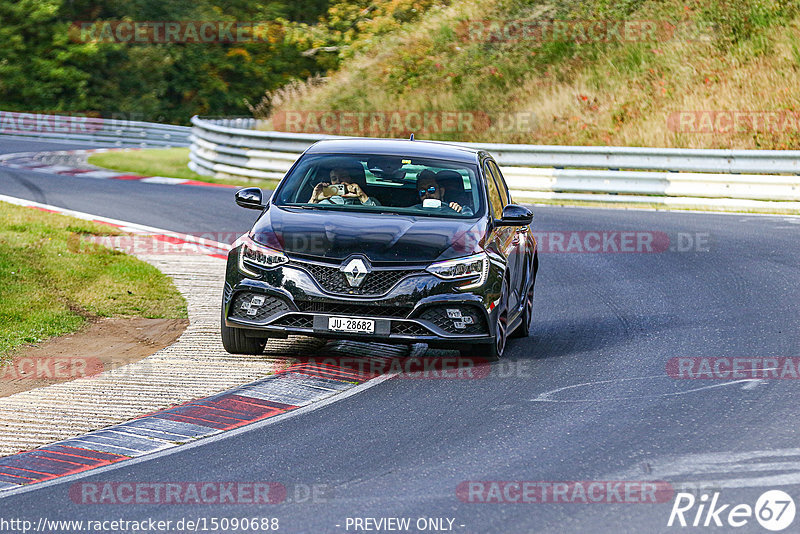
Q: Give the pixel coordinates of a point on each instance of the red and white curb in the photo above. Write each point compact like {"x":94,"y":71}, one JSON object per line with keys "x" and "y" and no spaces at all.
{"x":301,"y":384}
{"x":294,"y":387}
{"x":74,"y":164}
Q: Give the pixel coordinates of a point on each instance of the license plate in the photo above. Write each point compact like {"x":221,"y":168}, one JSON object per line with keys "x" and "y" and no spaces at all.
{"x":354,"y":326}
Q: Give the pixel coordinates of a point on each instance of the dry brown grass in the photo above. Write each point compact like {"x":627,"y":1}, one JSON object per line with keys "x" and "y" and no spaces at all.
{"x":623,"y":95}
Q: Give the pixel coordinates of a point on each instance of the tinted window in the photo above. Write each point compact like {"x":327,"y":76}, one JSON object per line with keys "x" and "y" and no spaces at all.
{"x":501,"y":183}
{"x":494,"y":194}
{"x":370,"y":182}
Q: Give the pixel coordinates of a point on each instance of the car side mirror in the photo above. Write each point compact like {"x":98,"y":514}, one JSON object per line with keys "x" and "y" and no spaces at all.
{"x":251,"y":198}
{"x":515,"y":215}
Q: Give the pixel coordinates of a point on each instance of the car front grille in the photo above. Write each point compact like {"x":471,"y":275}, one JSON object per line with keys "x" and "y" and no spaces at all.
{"x":404,"y":328}
{"x":295,"y":320}
{"x":357,"y":310}
{"x":377,"y":282}
{"x":256,"y":307}
{"x":456,"y":319}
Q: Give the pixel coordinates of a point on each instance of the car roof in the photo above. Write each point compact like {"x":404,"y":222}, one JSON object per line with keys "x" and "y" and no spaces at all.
{"x":395,"y":147}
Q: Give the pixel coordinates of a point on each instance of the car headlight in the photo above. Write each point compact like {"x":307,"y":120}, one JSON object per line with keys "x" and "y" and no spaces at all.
{"x":252,"y":254}
{"x":472,"y":269}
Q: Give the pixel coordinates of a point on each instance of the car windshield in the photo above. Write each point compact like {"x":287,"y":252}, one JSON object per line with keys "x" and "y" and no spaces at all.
{"x":378,"y":183}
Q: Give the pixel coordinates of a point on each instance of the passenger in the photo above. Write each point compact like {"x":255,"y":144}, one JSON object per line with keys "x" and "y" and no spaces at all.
{"x":429,"y":188}
{"x":353,"y":193}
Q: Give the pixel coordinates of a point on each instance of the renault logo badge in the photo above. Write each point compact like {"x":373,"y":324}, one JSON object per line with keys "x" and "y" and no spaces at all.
{"x":355,"y":271}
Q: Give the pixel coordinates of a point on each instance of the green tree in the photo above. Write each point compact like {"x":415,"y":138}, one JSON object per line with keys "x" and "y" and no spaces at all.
{"x":46,"y":66}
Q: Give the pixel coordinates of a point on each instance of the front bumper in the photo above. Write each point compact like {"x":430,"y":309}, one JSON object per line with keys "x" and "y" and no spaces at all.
{"x":418,"y":308}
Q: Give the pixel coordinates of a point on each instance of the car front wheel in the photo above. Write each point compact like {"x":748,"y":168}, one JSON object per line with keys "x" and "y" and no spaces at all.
{"x":524,"y":329}
{"x":235,"y":342}
{"x":493,"y":351}
{"x":501,"y":330}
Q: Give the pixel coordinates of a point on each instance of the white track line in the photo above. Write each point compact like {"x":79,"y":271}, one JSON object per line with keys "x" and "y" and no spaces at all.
{"x":122,"y":225}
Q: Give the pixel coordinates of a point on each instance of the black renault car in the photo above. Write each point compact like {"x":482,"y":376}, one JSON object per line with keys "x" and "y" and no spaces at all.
{"x":396,"y":241}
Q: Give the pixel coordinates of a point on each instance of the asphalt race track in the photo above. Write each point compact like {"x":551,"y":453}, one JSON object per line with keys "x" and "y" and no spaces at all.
{"x":179,"y":208}
{"x":585,"y":398}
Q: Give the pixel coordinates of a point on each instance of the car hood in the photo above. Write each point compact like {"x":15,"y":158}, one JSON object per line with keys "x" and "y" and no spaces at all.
{"x":381,"y":237}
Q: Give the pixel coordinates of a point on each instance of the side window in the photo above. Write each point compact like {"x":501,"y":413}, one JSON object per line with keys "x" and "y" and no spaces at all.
{"x":494,"y":194}
{"x":501,"y":183}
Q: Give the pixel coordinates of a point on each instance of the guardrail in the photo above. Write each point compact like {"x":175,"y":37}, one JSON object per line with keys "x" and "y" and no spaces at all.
{"x":234,"y":148}
{"x":91,"y":130}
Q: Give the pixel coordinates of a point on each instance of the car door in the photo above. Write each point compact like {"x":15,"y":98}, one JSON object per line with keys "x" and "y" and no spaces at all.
{"x":517,"y":250}
{"x":503,"y":236}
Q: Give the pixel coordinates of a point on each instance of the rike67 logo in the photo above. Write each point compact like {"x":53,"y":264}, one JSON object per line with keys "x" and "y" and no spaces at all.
{"x":774,"y":510}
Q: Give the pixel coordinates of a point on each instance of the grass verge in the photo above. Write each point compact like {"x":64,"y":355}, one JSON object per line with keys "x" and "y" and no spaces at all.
{"x":49,"y":286}
{"x":169,"y":162}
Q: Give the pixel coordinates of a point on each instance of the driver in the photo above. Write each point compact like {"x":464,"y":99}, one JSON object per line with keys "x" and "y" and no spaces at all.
{"x":353,"y":193}
{"x":429,"y":188}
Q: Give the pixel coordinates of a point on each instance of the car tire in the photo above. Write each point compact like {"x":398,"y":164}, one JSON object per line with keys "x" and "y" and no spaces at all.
{"x":497,"y":348}
{"x":235,"y":342}
{"x":524,"y":329}
{"x":494,"y":351}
